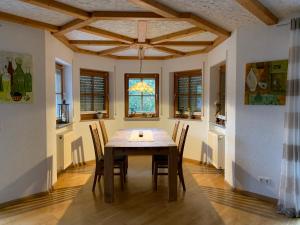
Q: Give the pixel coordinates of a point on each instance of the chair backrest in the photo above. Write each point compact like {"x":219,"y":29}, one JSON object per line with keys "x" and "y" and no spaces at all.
{"x":96,"y":141}
{"x":103,"y":131}
{"x":175,"y":130}
{"x":182,"y":139}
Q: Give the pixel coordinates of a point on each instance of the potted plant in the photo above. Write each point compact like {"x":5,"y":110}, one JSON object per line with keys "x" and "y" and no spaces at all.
{"x":99,"y":115}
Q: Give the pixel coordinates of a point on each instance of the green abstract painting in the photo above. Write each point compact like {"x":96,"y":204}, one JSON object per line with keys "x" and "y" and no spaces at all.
{"x":15,"y":77}
{"x":265,"y":83}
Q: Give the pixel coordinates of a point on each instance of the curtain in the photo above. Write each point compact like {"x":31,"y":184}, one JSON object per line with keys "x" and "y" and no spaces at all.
{"x":289,"y":193}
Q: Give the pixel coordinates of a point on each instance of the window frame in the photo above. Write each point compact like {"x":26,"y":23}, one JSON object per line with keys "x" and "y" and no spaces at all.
{"x":189,"y":73}
{"x":127,"y":76}
{"x":96,"y":73}
{"x":61,"y":68}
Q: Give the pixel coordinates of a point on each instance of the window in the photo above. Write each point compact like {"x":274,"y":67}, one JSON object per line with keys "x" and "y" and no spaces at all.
{"x":221,"y":113}
{"x":94,"y":94}
{"x":188,"y":94}
{"x":141,"y":95}
{"x":59,"y":86}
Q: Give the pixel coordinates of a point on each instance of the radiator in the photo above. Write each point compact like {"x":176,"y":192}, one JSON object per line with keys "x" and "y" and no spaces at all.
{"x":64,"y":150}
{"x":216,"y":149}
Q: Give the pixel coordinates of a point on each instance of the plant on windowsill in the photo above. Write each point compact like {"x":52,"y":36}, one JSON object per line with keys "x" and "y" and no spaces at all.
{"x":99,"y":115}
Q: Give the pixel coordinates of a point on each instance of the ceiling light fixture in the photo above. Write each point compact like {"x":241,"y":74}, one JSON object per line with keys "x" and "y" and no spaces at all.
{"x":141,"y":86}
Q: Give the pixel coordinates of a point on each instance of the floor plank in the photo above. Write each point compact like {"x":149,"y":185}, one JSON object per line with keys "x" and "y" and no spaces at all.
{"x":208,"y":201}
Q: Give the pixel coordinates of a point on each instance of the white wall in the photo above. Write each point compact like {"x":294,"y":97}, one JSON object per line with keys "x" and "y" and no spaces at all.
{"x":259,"y":129}
{"x":54,"y":51}
{"x":23,"y":159}
{"x":227,"y":52}
{"x":197,"y":138}
{"x":117,"y":70}
{"x":28,"y":132}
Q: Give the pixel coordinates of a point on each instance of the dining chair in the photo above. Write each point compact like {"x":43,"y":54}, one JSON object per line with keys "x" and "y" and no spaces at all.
{"x":174,"y":135}
{"x":105,"y":140}
{"x":103,"y":131}
{"x":160,"y":163}
{"x":99,"y":171}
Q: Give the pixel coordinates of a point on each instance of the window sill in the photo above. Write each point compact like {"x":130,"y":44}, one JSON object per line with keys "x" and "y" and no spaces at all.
{"x":59,"y":126}
{"x":88,"y":120}
{"x":217,"y":125}
{"x":186,"y":119}
{"x":141,"y":119}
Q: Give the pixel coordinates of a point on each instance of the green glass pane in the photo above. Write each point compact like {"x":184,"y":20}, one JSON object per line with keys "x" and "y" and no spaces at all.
{"x":58,"y":101}
{"x":183,"y":85}
{"x":58,"y":82}
{"x":132,"y":82}
{"x":196,"y":85}
{"x":135,"y":104}
{"x":149,"y":104}
{"x":196,"y":103}
{"x":183,"y":103}
{"x":99,"y":83}
{"x":151,"y":83}
{"x":86,"y":103}
{"x":86,"y":84}
{"x":99,"y":103}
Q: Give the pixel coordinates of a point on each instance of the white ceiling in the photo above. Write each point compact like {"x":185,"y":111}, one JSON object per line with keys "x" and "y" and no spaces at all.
{"x":283,"y":9}
{"x":128,"y":52}
{"x":153,"y":52}
{"x":128,"y":28}
{"x":103,"y":5}
{"x":33,"y":12}
{"x":186,"y":48}
{"x":95,"y":48}
{"x":78,"y":35}
{"x":225,"y":13}
{"x":158,"y":28}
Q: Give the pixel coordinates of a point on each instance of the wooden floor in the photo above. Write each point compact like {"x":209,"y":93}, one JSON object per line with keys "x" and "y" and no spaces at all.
{"x":208,"y":201}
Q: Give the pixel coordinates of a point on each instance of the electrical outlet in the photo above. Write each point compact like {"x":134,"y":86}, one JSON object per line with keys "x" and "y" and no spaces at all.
{"x":264,"y":180}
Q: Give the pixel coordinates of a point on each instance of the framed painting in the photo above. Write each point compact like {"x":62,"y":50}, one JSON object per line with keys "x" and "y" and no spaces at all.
{"x":265,"y":83}
{"x":15,"y":77}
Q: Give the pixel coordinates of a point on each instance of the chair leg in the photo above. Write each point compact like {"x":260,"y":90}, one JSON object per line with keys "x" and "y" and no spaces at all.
{"x":99,"y":177}
{"x":180,"y":173}
{"x":152,"y":165}
{"x":122,"y":175}
{"x":94,"y":183}
{"x":155,"y":168}
{"x":126,"y":165}
{"x":125,"y":171}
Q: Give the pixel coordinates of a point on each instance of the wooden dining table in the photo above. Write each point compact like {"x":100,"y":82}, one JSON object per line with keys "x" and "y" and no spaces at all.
{"x":123,"y":143}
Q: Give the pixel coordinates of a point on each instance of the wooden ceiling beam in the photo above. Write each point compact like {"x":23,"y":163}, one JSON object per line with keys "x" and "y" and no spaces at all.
{"x":137,"y":58}
{"x":185,"y":43}
{"x":176,"y":35}
{"x":204,"y":24}
{"x":60,"y":7}
{"x":121,"y":15}
{"x":113,"y":50}
{"x":259,"y":10}
{"x":97,"y":43}
{"x":74,"y":25}
{"x":107,"y":34}
{"x":169,"y":50}
{"x":28,"y":22}
{"x":65,"y":41}
{"x":156,"y":7}
{"x":142,"y":31}
{"x":168,"y":12}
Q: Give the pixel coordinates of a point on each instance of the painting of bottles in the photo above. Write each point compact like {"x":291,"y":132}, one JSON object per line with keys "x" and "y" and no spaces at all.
{"x":15,"y":77}
{"x":265,"y":83}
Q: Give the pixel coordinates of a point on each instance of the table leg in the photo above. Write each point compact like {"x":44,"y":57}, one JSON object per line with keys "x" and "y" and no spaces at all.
{"x":108,"y":175}
{"x":173,"y":161}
